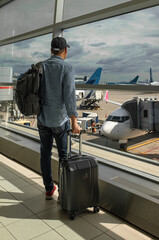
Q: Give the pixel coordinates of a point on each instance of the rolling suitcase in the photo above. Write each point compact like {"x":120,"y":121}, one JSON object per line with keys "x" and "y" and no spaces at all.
{"x":78,"y":182}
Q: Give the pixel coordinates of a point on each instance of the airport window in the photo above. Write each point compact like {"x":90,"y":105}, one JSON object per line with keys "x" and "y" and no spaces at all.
{"x":127,"y":54}
{"x":122,"y":49}
{"x":105,"y":46}
{"x":19,"y":17}
{"x":16,"y":59}
{"x":77,"y":8}
{"x":109,"y":43}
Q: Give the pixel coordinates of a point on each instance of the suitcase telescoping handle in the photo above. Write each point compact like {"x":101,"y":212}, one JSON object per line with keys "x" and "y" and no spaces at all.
{"x":69,"y":134}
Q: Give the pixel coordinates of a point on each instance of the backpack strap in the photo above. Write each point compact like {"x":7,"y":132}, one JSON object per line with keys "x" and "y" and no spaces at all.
{"x":36,"y":75}
{"x":39,"y":67}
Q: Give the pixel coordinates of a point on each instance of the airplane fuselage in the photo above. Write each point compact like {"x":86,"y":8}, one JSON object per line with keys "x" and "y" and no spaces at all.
{"x":118,"y":127}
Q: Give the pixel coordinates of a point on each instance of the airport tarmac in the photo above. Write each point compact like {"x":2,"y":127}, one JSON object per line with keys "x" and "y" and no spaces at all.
{"x":116,"y":96}
{"x":146,"y":145}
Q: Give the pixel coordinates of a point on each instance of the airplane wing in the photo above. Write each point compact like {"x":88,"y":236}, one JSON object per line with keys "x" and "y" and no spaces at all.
{"x":106,"y":99}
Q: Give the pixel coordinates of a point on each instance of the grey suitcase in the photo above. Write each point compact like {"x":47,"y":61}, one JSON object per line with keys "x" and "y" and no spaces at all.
{"x":78,"y":183}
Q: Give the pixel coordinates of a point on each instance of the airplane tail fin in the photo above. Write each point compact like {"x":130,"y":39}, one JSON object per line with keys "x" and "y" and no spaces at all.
{"x":89,"y":94}
{"x":106,"y":96}
{"x":95,"y":78}
{"x":151,"y":79}
{"x":134,"y":81}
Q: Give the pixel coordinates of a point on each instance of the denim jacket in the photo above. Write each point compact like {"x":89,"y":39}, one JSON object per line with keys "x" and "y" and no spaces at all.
{"x":57,"y":92}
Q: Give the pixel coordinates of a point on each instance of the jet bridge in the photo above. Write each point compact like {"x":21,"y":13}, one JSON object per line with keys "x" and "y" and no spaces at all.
{"x":144,"y":113}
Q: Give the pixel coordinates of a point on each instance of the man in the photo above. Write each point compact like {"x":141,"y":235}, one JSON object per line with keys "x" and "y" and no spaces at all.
{"x":57,"y":93}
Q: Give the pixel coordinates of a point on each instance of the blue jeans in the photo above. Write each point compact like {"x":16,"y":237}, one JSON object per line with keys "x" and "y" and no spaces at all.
{"x":47,"y":136}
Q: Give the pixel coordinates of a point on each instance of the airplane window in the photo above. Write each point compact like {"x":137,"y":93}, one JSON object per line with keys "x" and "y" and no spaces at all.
{"x":127,"y":118}
{"x":114,"y":118}
{"x":109,"y":118}
{"x":117,"y":118}
{"x":121,"y":119}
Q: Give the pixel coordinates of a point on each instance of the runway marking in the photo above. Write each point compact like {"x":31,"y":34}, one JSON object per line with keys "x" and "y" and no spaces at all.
{"x":137,"y":152}
{"x":142,"y":144}
{"x":151,"y":149}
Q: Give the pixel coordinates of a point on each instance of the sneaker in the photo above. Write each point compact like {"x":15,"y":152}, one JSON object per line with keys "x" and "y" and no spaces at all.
{"x":49,"y":194}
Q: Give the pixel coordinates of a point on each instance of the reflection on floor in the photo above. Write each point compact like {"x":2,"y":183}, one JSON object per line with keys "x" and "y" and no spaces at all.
{"x":25,"y":214}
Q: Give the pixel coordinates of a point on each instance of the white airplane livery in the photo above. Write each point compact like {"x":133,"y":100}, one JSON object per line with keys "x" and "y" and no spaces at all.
{"x":117,"y":126}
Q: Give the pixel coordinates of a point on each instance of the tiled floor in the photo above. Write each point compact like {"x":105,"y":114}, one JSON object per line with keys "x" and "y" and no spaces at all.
{"x":25,"y":214}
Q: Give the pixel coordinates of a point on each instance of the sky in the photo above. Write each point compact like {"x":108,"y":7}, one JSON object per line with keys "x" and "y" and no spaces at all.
{"x":124,"y":46}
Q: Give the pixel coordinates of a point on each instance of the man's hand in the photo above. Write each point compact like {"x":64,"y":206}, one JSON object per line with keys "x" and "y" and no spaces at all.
{"x":75,"y":127}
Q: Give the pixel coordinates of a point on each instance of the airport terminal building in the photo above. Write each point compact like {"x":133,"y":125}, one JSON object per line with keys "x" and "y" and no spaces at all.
{"x":121,"y":38}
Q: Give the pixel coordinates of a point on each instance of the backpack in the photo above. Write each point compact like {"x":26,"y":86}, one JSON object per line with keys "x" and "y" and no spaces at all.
{"x":27,"y":88}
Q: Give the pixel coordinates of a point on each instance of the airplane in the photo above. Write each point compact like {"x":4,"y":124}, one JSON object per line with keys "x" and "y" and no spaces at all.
{"x":133,"y":81}
{"x":81,"y":80}
{"x":151,"y":81}
{"x":94,"y":79}
{"x":117,"y":126}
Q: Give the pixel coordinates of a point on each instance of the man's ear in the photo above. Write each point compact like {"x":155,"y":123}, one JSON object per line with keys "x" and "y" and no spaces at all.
{"x":65,"y":53}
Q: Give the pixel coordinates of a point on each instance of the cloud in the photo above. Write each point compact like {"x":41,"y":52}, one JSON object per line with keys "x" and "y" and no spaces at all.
{"x":152,"y":35}
{"x":18,"y":65}
{"x":153,"y":13}
{"x":123,"y":46}
{"x":84,"y":70}
{"x":24,"y":44}
{"x":41,"y":55}
{"x":76,"y":50}
{"x":125,"y":61}
{"x":100,"y":44}
{"x":110,"y":61}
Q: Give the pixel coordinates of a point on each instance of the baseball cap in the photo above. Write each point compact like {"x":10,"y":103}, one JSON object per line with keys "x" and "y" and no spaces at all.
{"x":59,"y":43}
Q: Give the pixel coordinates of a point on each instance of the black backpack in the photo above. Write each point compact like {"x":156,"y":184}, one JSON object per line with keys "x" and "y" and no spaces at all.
{"x":27,"y":89}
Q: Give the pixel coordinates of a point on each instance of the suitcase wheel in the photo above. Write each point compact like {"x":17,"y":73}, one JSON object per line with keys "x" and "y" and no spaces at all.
{"x":72,"y":216}
{"x":96,"y":209}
